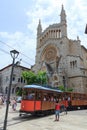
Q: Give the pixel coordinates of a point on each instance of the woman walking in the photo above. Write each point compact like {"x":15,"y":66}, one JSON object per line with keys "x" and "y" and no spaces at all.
{"x":14,"y":104}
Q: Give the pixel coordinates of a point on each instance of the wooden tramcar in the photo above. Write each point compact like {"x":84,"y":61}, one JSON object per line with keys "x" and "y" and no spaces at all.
{"x":76,"y":100}
{"x":41,"y":100}
{"x":37,"y":99}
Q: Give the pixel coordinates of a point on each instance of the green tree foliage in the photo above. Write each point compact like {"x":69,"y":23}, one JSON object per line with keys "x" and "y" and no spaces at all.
{"x":29,"y":76}
{"x":65,"y":89}
{"x":32,"y":78}
{"x":19,"y":92}
{"x":70,"y":89}
{"x":42,"y":77}
{"x":61,"y":88}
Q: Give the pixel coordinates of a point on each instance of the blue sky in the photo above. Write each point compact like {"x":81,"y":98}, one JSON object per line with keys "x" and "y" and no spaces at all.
{"x":19,"y":20}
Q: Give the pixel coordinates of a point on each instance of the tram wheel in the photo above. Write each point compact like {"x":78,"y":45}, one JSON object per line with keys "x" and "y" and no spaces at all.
{"x":20,"y":114}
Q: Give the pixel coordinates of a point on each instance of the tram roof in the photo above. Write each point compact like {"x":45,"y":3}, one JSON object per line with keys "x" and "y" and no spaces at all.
{"x":41,"y":87}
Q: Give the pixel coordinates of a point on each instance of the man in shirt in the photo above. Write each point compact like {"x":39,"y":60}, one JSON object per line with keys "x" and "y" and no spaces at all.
{"x":57,"y":111}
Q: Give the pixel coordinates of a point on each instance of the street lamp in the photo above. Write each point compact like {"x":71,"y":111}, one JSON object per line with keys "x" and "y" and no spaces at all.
{"x":14,"y":55}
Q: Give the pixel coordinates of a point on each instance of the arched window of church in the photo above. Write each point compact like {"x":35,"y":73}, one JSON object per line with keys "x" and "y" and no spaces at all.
{"x":70,"y":64}
{"x":51,"y":33}
{"x":75,"y":63}
{"x":59,"y":33}
{"x":54,"y":34}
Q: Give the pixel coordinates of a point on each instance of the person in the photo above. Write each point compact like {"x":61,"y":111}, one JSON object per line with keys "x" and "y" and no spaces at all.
{"x":30,"y":96}
{"x":14,"y":104}
{"x":66,"y":105}
{"x":1,"y":102}
{"x":69,"y":101}
{"x":57,"y":110}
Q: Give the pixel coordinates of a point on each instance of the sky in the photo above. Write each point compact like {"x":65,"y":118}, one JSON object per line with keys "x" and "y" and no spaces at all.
{"x":19,"y":20}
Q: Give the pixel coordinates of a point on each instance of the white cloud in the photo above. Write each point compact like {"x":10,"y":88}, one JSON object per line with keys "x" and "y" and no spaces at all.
{"x":75,"y":11}
{"x":21,"y":42}
{"x":48,"y":11}
{"x":77,"y":20}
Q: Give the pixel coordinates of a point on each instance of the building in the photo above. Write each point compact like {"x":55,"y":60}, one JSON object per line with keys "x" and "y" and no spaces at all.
{"x":64,"y":59}
{"x":17,"y":80}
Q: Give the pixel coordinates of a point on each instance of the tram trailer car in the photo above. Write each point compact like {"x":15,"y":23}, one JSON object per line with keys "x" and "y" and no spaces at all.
{"x":76,"y":100}
{"x":38,"y":100}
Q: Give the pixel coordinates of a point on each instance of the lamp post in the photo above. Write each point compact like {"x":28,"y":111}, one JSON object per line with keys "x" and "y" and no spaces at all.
{"x":14,"y":55}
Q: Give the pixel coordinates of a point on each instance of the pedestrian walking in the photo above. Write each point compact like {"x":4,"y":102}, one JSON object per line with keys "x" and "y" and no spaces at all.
{"x":66,"y":105}
{"x":1,"y":102}
{"x":57,"y":111}
{"x":14,"y":104}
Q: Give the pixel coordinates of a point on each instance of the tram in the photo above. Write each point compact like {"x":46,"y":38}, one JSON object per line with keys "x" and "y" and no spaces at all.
{"x":38,"y":99}
{"x":41,"y":100}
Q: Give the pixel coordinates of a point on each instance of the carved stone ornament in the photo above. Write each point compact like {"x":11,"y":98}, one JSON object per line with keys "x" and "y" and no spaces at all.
{"x":50,"y":54}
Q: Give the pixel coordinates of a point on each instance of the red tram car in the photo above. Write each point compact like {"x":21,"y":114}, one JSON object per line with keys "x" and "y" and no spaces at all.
{"x":41,"y":100}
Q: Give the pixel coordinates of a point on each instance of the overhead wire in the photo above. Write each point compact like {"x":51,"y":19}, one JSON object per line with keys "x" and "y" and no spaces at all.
{"x":19,"y":52}
{"x":13,"y":48}
{"x":17,"y":58}
{"x":4,"y":51}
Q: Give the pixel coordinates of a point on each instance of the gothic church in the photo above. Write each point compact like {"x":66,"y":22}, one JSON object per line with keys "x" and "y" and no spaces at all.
{"x":64,"y":60}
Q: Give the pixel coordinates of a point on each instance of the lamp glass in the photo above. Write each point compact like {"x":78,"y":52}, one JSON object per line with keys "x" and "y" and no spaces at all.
{"x":14,"y":53}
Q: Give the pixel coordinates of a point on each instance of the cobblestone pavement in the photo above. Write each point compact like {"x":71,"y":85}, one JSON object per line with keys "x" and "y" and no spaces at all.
{"x":74,"y":120}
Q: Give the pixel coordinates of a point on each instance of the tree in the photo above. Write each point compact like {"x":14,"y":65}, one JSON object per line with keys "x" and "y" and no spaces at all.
{"x":61,"y":88}
{"x":19,"y":92}
{"x":42,"y":77}
{"x":70,"y":89}
{"x":65,"y":89}
{"x":32,"y":78}
{"x":29,"y":76}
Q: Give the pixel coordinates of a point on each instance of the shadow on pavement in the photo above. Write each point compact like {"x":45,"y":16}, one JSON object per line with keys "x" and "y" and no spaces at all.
{"x":18,"y":119}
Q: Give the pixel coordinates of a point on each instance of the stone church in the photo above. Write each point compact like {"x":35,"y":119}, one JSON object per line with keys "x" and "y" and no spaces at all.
{"x":64,"y":59}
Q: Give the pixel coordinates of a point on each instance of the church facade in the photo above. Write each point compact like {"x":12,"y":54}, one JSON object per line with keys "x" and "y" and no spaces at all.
{"x":64,"y":60}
